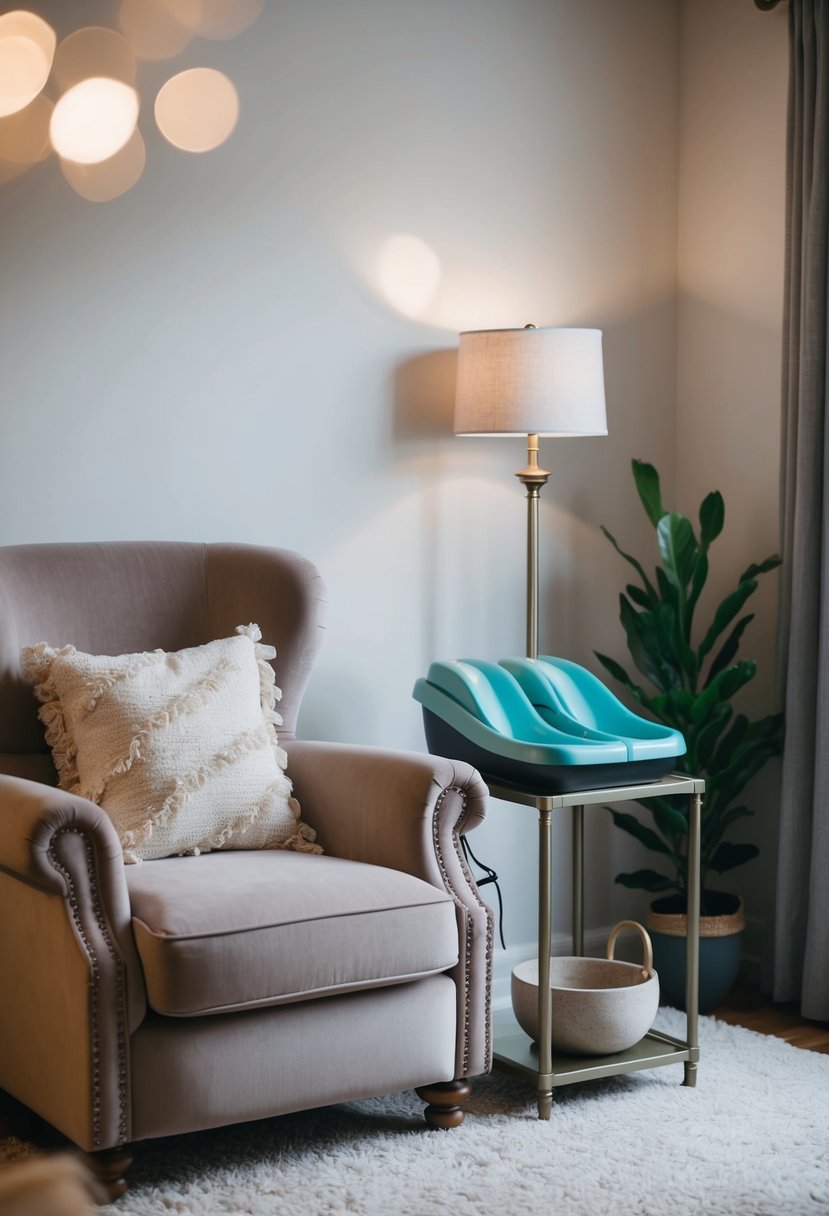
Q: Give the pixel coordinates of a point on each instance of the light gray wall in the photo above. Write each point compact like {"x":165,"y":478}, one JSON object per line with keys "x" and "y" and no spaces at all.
{"x":209,"y":356}
{"x":733,"y":79}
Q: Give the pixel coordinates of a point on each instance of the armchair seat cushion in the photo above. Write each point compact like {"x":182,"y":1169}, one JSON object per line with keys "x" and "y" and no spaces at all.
{"x":243,"y":930}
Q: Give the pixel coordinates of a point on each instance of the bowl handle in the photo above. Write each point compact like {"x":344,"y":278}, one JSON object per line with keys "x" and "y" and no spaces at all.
{"x":647,"y":948}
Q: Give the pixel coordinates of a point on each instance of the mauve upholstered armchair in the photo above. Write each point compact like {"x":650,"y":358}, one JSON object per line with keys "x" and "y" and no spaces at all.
{"x":186,"y":993}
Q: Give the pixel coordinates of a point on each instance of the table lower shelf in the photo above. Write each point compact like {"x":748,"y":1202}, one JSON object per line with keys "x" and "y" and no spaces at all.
{"x":516,"y":1052}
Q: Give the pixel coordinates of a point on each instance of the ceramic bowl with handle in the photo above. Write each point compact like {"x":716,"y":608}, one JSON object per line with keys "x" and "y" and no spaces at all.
{"x":600,"y":1005}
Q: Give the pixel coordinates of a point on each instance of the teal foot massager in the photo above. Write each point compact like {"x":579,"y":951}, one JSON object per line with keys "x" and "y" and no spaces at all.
{"x":545,"y":725}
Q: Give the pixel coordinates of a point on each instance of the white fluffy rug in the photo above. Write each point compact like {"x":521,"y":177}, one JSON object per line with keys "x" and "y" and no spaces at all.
{"x":750,"y":1140}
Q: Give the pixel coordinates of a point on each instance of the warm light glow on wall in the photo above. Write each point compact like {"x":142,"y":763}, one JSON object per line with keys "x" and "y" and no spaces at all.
{"x":216,"y":19}
{"x":197,"y":110}
{"x":408,"y":274}
{"x":153,"y":31}
{"x":9,"y":170}
{"x":27,"y":45}
{"x":94,"y":120}
{"x":100,"y":183}
{"x":24,"y":136}
{"x":93,"y":51}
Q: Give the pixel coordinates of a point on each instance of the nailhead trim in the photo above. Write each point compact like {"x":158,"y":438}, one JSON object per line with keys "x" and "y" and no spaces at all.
{"x":469,"y":925}
{"x":95,"y":982}
{"x":490,"y":947}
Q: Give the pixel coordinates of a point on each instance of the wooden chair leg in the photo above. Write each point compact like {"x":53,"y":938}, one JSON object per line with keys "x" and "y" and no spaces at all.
{"x":110,"y":1167}
{"x":444,"y":1100}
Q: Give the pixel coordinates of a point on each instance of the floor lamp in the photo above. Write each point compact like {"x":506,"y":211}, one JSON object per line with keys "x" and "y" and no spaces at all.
{"x":531,"y":382}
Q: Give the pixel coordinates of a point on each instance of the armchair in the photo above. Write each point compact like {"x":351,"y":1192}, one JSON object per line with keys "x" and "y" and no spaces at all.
{"x":186,"y":993}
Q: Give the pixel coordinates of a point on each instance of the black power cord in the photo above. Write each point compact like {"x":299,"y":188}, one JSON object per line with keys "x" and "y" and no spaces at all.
{"x":491,"y":877}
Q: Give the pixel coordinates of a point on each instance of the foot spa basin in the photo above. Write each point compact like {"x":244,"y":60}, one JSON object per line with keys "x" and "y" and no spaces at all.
{"x":600,"y":1006}
{"x":544,"y":725}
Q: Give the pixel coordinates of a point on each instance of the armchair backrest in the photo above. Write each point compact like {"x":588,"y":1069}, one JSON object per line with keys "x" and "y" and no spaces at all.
{"x":121,"y":597}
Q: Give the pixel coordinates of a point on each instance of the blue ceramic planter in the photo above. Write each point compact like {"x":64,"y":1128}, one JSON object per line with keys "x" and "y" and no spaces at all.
{"x":720,"y":952}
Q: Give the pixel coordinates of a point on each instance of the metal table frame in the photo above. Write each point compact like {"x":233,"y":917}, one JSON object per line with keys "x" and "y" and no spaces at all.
{"x":513,"y":1049}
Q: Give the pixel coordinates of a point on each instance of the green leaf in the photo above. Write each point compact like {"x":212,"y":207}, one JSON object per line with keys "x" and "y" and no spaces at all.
{"x":725,"y":614}
{"x":662,"y":626}
{"x":681,"y":702}
{"x":677,"y":548}
{"x":723,"y":687}
{"x":703,"y":740}
{"x":676,"y":655}
{"x":647,"y":880}
{"x":649,"y":838}
{"x":731,"y":816}
{"x":729,"y":647}
{"x":671,"y":821}
{"x":698,"y":581}
{"x":647,"y":484}
{"x":716,"y":824}
{"x":667,"y":590}
{"x":729,"y":743}
{"x":661,"y":706}
{"x":643,"y":644}
{"x":749,"y":759}
{"x":711,"y":518}
{"x":728,"y":856}
{"x":771,"y":563}
{"x":770,"y":730}
{"x":616,"y":669}
{"x":638,"y":567}
{"x":618,"y":672}
{"x":639,"y":596}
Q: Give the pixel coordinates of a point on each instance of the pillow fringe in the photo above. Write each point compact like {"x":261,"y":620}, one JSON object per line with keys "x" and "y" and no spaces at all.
{"x":109,"y":679}
{"x":36,"y":663}
{"x":186,"y":702}
{"x":269,"y":694}
{"x":196,"y":779}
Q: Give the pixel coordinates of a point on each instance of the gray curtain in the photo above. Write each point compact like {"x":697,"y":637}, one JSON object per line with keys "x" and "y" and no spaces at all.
{"x":801,"y":960}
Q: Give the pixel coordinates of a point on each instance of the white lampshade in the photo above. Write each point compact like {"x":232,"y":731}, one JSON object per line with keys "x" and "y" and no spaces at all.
{"x":530,"y":382}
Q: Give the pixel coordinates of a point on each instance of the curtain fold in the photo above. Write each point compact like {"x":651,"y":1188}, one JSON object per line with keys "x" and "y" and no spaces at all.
{"x":801,"y":953}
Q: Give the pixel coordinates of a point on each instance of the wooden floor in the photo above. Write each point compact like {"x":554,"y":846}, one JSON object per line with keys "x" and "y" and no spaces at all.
{"x":748,"y":1007}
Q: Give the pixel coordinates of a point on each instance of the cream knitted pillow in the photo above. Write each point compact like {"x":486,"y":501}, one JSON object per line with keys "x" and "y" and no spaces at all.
{"x":179,"y":749}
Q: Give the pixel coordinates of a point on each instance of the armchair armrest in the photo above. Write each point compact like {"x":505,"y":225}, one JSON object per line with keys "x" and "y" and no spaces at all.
{"x":407,"y":811}
{"x":389,"y":808}
{"x":67,"y":947}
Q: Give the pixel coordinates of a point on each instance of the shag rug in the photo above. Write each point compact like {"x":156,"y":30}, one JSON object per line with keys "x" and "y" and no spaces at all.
{"x":751,"y":1140}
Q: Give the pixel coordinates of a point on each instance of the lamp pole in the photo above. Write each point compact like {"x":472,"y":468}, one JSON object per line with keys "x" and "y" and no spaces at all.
{"x":533,"y":477}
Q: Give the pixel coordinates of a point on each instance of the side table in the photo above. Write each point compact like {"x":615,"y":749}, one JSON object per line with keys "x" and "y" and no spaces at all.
{"x":514,"y":1050}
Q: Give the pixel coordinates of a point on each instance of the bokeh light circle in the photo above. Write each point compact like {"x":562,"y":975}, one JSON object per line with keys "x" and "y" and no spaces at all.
{"x":153,"y":31}
{"x":94,"y":120}
{"x":27,"y":45}
{"x":100,"y":183}
{"x":215,"y":19}
{"x":197,"y":110}
{"x":93,"y":51}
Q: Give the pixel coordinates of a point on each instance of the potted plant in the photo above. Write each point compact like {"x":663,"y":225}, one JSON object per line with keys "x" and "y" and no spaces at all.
{"x":693,"y":673}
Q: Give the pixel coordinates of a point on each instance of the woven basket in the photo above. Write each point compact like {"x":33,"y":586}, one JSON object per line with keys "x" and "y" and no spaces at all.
{"x":599,"y":1006}
{"x":675,"y":924}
